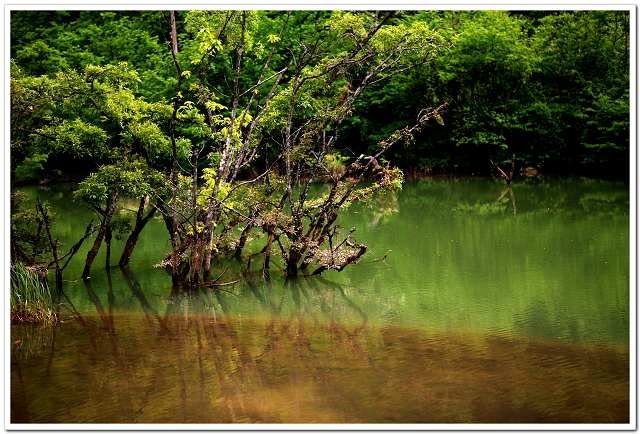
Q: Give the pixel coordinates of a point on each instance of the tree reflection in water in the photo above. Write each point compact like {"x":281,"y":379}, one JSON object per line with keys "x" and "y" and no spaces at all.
{"x":202,"y":328}
{"x":311,"y":355}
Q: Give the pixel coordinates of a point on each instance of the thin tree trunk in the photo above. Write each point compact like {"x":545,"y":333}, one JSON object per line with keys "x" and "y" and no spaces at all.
{"x":93,"y":252}
{"x":106,"y":220}
{"x":108,"y":235}
{"x":174,"y":32}
{"x":267,"y":254}
{"x":141,"y":222}
{"x":243,"y":239}
{"x":53,"y":244}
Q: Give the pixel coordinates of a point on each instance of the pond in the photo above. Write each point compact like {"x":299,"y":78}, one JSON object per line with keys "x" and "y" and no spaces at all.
{"x":473,"y":304}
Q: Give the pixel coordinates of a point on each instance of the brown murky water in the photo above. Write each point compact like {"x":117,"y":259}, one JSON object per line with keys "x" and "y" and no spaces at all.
{"x":183,"y":370}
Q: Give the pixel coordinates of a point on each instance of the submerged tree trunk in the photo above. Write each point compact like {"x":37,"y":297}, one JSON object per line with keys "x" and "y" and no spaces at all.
{"x":132,"y":240}
{"x":108,"y":235}
{"x":93,"y":252}
{"x":267,"y":253}
{"x":53,"y":244}
{"x":102,"y":232}
{"x":242,"y":240}
{"x":292,"y":263}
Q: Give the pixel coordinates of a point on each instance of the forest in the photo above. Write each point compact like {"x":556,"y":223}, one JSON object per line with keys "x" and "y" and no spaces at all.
{"x":550,"y":87}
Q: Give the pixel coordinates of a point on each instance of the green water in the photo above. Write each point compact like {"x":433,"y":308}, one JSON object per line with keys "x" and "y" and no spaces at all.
{"x":470,"y":305}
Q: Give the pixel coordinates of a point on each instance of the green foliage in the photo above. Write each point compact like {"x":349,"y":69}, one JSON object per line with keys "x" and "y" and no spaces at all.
{"x":31,"y":168}
{"x":206,"y":26}
{"x":153,"y":140}
{"x":389,"y":180}
{"x":336,"y":163}
{"x":91,"y":116}
{"x":76,"y":138}
{"x":127,"y":179}
{"x":206,"y":193}
{"x":550,"y":87}
{"x":48,"y":42}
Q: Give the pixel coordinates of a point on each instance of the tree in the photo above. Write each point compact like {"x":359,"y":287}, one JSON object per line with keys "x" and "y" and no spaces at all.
{"x":95,"y":118}
{"x":292,"y":109}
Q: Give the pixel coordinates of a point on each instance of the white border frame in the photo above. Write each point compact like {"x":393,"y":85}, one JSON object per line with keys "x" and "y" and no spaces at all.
{"x":311,"y":5}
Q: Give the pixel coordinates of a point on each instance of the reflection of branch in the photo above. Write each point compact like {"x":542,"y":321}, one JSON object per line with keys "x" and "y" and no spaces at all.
{"x":110,"y":296}
{"x":139,"y":294}
{"x":106,"y":320}
{"x":350,"y":302}
{"x":512,"y":198}
{"x":69,"y":305}
{"x":503,"y":194}
{"x":210,"y":284}
{"x":254,"y":289}
{"x":304,"y":292}
{"x":53,"y":337}
{"x":218,"y":363}
{"x":381,"y":258}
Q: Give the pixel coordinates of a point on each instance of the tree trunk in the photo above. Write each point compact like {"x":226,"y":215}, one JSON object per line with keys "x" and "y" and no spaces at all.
{"x":53,"y":244}
{"x":202,"y":257}
{"x":106,"y":220}
{"x":93,"y":252}
{"x":292,"y":263}
{"x":58,"y":280}
{"x":267,"y":254}
{"x":242,"y":240}
{"x":132,"y":240}
{"x":174,"y":32}
{"x":107,"y":240}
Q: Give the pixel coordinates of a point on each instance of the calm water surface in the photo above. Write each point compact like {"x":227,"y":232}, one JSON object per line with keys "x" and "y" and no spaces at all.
{"x":471,"y":305}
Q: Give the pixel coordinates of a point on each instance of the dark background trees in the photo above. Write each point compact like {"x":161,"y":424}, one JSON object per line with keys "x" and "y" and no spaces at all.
{"x":551,"y":87}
